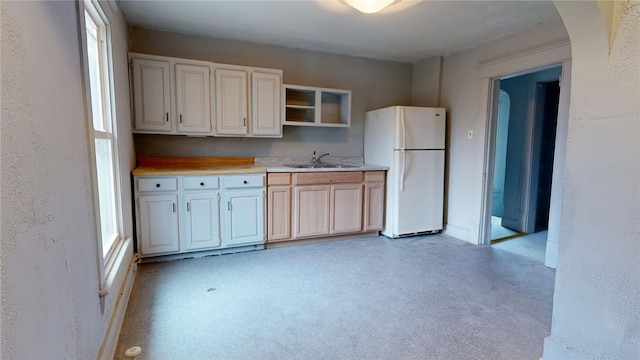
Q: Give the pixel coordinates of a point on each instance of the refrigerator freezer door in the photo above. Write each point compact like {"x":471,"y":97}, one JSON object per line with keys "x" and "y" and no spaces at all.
{"x":419,"y":128}
{"x":418,"y":207}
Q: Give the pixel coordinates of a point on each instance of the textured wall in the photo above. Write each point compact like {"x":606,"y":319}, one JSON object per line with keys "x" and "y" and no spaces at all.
{"x":374,"y":84}
{"x":596,"y":313}
{"x":49,"y":252}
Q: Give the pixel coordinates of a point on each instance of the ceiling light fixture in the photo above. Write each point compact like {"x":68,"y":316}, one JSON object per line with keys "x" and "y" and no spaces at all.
{"x":370,"y":6}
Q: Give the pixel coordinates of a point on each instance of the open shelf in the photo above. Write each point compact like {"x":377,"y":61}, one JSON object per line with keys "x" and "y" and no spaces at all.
{"x":300,"y":97}
{"x":311,"y":106}
{"x":304,"y":115}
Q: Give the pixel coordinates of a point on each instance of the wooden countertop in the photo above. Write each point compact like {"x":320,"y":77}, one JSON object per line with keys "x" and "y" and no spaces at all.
{"x":198,"y":170}
{"x":196,"y":166}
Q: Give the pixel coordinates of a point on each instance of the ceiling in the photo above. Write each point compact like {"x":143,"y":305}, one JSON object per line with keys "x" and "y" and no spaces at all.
{"x":407,"y":31}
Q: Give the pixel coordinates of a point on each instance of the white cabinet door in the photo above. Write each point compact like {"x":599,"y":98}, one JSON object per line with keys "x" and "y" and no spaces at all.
{"x":244,"y":217}
{"x":265,"y":104}
{"x":192,"y":99}
{"x":231,"y":102}
{"x":152,"y":96}
{"x":201,"y":227}
{"x":311,"y":210}
{"x":346,"y":208}
{"x":158,"y":233}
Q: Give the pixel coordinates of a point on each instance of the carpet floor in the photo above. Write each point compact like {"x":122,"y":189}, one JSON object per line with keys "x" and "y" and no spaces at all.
{"x":427,"y":297}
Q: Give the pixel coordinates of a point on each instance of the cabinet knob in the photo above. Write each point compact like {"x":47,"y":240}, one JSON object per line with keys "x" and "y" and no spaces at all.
{"x":201,"y":184}
{"x":245,"y":182}
{"x":157,"y":185}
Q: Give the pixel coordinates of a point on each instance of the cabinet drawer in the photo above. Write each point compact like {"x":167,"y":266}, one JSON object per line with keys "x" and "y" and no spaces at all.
{"x":200,"y":182}
{"x":157,"y":184}
{"x":311,"y":178}
{"x":279,"y":179}
{"x":244,"y":181}
{"x":374,"y":176}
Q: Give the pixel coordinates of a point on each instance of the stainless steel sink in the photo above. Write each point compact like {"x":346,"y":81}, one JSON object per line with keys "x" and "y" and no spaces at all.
{"x":296,"y":166}
{"x":338,"y":166}
{"x":319,"y":166}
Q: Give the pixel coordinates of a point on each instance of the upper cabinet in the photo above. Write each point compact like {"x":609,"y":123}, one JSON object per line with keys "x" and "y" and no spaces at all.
{"x":266,"y":90}
{"x":171,"y":96}
{"x":231,"y":102}
{"x":312,"y":106}
{"x":152,"y":96}
{"x":193,"y":102}
{"x":190,"y":97}
{"x":248,"y":102}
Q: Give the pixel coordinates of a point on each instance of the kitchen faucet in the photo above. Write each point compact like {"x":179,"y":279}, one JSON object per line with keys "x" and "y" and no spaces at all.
{"x":315,"y":160}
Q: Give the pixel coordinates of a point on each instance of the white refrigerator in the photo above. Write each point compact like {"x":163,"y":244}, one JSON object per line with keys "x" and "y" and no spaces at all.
{"x":411,"y":142}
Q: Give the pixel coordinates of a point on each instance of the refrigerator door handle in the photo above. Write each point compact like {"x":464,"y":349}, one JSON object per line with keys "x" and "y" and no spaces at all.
{"x":403,"y":125}
{"x":402,"y":149}
{"x":404,"y":159}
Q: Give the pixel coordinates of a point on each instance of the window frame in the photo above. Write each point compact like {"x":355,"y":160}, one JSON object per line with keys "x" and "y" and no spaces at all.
{"x":93,"y":10}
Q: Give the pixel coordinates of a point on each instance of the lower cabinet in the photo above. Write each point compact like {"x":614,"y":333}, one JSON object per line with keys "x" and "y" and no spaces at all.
{"x":244,"y":221}
{"x":278,"y":206}
{"x":158,"y":224}
{"x":311,"y":211}
{"x":319,"y":204}
{"x":176,"y":214}
{"x":201,"y":225}
{"x":374,"y":196}
{"x":346,"y":208}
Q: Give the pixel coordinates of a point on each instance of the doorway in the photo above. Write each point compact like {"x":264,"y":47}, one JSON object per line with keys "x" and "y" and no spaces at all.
{"x":524,"y":133}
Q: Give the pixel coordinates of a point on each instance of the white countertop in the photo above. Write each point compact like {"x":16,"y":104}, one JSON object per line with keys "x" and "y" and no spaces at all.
{"x":273,"y":165}
{"x":362,"y":167}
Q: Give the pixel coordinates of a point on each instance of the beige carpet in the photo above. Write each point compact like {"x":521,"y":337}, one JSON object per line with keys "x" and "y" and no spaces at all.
{"x":427,"y":297}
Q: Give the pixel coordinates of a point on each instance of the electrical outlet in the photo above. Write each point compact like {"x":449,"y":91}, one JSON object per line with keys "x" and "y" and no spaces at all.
{"x":470,"y":134}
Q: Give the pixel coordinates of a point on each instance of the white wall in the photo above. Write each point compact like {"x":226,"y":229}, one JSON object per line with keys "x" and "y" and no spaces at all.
{"x":596,"y":306}
{"x":49,"y":250}
{"x":374,"y":84}
{"x":461,"y":95}
{"x":427,"y":76}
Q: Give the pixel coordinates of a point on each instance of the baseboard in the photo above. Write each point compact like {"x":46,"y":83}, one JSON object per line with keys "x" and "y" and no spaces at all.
{"x":110,"y":342}
{"x":551,"y":255}
{"x":271,"y":245}
{"x":201,"y":253}
{"x":456,"y":232}
{"x":555,"y":351}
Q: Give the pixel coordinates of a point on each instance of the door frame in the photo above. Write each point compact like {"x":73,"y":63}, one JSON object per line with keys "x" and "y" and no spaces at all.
{"x":490,"y":72}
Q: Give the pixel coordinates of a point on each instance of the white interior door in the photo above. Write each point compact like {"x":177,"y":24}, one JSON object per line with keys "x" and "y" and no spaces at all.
{"x":419,"y":197}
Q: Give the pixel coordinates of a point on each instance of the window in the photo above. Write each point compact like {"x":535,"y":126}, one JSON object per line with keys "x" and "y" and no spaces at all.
{"x":102,"y":134}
